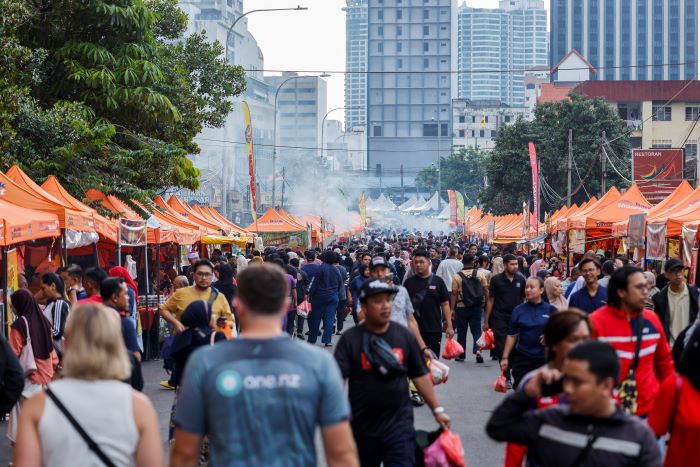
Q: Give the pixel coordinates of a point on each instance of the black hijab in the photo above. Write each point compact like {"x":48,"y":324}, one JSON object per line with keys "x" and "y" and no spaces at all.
{"x":196,"y":319}
{"x":39,"y":328}
{"x":689,"y":364}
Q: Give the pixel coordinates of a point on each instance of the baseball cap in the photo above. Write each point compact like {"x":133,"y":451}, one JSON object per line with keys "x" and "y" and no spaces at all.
{"x":672,"y":264}
{"x":378,"y":261}
{"x":372,"y":287}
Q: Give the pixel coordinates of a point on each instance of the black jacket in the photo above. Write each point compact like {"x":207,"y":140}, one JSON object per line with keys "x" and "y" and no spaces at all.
{"x":556,"y":438}
{"x":661,"y":307}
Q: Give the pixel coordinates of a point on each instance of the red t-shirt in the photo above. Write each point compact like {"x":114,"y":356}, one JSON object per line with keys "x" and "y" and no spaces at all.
{"x":93,"y":299}
{"x":684,"y":425}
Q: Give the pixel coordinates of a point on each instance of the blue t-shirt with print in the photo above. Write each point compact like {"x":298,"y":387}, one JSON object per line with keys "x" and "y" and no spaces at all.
{"x":259,"y":400}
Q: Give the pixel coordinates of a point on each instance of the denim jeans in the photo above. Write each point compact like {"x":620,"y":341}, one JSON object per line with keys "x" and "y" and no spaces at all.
{"x":340,"y":315}
{"x":468,"y":318}
{"x":323,"y":308}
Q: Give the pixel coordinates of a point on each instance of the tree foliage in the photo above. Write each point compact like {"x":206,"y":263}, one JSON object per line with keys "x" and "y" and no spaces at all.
{"x":508,"y":167}
{"x":108,"y":93}
{"x":462,"y":171}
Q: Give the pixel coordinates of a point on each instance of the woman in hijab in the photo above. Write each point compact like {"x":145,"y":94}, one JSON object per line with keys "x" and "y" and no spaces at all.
{"x":677,"y":406}
{"x":555,"y":293}
{"x":653,"y":289}
{"x":132,"y":289}
{"x":31,"y":326}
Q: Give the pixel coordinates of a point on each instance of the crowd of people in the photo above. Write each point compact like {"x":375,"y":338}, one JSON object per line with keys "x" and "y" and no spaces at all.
{"x":602,"y":361}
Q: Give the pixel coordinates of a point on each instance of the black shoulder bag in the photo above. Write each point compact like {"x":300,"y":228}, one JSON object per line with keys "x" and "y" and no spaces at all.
{"x":90,"y":442}
{"x":417,"y":299}
{"x":628,"y":387}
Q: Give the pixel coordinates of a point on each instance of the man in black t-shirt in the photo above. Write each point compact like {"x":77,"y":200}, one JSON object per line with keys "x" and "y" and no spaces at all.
{"x":506,"y":291}
{"x":382,"y":415}
{"x":431,"y":302}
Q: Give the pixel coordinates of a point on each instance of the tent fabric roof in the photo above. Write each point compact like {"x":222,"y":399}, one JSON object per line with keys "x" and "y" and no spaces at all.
{"x":186,"y":211}
{"x":578,"y":220}
{"x":293,"y":219}
{"x":181,"y":220}
{"x":418,"y":202}
{"x":19,"y":224}
{"x":632,"y":202}
{"x":111,"y":203}
{"x":273,"y":221}
{"x":22,"y":191}
{"x":408,"y":203}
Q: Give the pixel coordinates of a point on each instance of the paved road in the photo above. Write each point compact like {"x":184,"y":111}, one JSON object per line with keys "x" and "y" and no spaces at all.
{"x":467,"y":396}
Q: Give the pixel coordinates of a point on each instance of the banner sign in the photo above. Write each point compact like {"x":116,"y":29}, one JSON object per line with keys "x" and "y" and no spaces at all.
{"x":251,"y":160}
{"x":693,"y":266}
{"x":460,"y":208}
{"x":491,"y":231}
{"x":577,"y":241}
{"x":635,"y":230}
{"x":535,"y":185}
{"x":132,"y":232}
{"x":526,"y":220}
{"x":453,"y":205}
{"x":656,"y":241}
{"x":363,"y":209}
{"x":688,"y":234}
{"x":657,"y":172}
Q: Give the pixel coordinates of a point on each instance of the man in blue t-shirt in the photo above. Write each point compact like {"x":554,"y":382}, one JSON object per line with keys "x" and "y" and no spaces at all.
{"x":593,"y":295}
{"x":259,"y":398}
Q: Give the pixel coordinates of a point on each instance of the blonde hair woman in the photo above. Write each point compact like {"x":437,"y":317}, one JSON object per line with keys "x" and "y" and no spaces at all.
{"x":120,"y":421}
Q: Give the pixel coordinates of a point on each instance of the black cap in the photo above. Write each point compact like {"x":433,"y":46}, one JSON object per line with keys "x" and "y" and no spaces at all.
{"x":372,"y":287}
{"x":672,"y":264}
{"x":378,"y":261}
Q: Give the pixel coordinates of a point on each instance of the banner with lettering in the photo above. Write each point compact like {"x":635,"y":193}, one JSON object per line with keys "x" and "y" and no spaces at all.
{"x":535,"y":185}
{"x":453,"y":205}
{"x":460,"y":208}
{"x":251,"y":160}
{"x":656,"y":241}
{"x":363,"y":209}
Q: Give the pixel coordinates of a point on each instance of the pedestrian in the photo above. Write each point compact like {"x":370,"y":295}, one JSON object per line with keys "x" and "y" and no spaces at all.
{"x":524,"y":344}
{"x":537,"y":265}
{"x":431,"y":302}
{"x":677,"y":407}
{"x":382,"y":415}
{"x":57,"y":308}
{"x":355,"y":286}
{"x":92,"y":280}
{"x":506,"y":291}
{"x":117,"y":422}
{"x":484,"y":264}
{"x":676,"y":304}
{"x":590,"y":430}
{"x":554,"y":293}
{"x":449,"y":266}
{"x":73,"y":278}
{"x":226,"y":282}
{"x":323,"y":292}
{"x":31,"y":340}
{"x":591,"y":296}
{"x":132,"y":310}
{"x":608,"y":268}
{"x":344,"y":297}
{"x":653,"y":289}
{"x":303,"y":283}
{"x":180,"y":282}
{"x":259,"y":399}
{"x":638,"y":337}
{"x":575,"y":274}
{"x":470,"y":292}
{"x":290,"y":319}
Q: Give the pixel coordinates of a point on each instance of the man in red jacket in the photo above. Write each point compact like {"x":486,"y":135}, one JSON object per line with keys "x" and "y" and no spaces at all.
{"x":617,"y":323}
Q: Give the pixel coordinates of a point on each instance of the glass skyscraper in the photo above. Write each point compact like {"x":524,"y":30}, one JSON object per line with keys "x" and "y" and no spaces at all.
{"x":628,"y":39}
{"x":512,"y":37}
{"x":355,"y":63}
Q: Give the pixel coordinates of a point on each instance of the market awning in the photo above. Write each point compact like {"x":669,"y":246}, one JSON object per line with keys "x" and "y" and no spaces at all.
{"x":18,"y":224}
{"x":578,"y":220}
{"x":184,"y":221}
{"x":272,"y":221}
{"x":599,"y":223}
{"x":186,"y":211}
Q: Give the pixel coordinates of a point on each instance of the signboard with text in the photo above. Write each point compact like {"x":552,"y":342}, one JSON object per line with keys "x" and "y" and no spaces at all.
{"x":657,"y":172}
{"x":635,"y":230}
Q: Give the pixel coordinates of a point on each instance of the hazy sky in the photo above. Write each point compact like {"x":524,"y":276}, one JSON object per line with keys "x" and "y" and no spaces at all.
{"x":310,"y":40}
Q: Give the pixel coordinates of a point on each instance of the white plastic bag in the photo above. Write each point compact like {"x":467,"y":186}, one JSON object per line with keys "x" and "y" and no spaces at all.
{"x":439,"y":372}
{"x":481,"y":342}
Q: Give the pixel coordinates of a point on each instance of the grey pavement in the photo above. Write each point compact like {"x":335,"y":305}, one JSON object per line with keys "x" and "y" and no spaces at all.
{"x":467,"y":396}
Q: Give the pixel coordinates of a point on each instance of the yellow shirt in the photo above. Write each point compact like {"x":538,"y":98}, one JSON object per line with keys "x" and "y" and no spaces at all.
{"x":178,"y":301}
{"x":457,"y":283}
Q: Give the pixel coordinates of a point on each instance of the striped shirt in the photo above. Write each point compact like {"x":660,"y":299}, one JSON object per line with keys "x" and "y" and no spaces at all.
{"x":56,"y":312}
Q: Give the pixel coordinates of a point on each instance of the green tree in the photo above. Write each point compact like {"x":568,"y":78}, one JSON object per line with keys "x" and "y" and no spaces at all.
{"x":508,"y":168}
{"x":462,"y":171}
{"x":119,"y":96}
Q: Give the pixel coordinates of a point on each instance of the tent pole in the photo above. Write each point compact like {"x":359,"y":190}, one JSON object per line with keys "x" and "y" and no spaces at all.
{"x":5,"y":309}
{"x":156,"y":318}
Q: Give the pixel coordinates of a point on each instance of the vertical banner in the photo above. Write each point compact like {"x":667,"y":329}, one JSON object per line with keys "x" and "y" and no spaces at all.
{"x":635,"y":230}
{"x":363,"y":209}
{"x":526,"y":220}
{"x":688,"y":234}
{"x":453,"y":205}
{"x":535,"y":185}
{"x":491,"y":231}
{"x":577,"y":241}
{"x":656,"y":241}
{"x":693,"y":266}
{"x":251,"y":160}
{"x":460,"y":209}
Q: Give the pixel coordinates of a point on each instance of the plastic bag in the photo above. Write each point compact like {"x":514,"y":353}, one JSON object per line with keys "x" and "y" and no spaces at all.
{"x":500,"y":384}
{"x":453,"y":349}
{"x":304,"y":309}
{"x":486,"y":341}
{"x":439,"y":372}
{"x":446,"y":451}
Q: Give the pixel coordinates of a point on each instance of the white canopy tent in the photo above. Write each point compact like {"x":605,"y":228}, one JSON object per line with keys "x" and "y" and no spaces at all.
{"x":433,"y":204}
{"x":408,"y":203}
{"x":445,"y":213}
{"x":419,"y":201}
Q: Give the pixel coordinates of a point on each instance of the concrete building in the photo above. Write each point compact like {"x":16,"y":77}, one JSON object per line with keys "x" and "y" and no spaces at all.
{"x":534,"y":79}
{"x":512,"y":37}
{"x":477,"y":123}
{"x":410,"y":84}
{"x":355,"y":64}
{"x":628,"y":39}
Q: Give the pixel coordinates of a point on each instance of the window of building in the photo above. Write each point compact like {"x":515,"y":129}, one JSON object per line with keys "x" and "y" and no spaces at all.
{"x":426,"y":46}
{"x":380,"y":47}
{"x":443,"y":28}
{"x":426,"y":30}
{"x":461,"y":119}
{"x":461,"y":133}
{"x":486,"y":119}
{"x":473,"y":118}
{"x":380,"y":14}
{"x":426,"y":63}
{"x":473,"y":133}
{"x":377,"y":130}
{"x":399,"y":46}
{"x":506,"y":118}
{"x":399,"y":63}
{"x":399,"y":31}
{"x":494,"y":133}
{"x":661,"y":144}
{"x":481,"y":133}
{"x":430,"y":129}
{"x":380,"y":31}
{"x":660,"y":112}
{"x":399,"y":14}
{"x":443,"y":129}
{"x":692,"y":113}
{"x":691,"y":161}
{"x":426,"y":14}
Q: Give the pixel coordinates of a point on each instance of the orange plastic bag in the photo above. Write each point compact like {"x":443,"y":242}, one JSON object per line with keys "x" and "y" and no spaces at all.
{"x":500,"y":384}
{"x":486,"y":341}
{"x":453,"y":349}
{"x":452,"y":446}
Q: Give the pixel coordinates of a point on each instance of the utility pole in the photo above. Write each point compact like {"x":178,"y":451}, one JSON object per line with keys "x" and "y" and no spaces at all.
{"x":283,"y":182}
{"x":603,"y":157}
{"x":571,"y":158}
{"x":402,"y":189}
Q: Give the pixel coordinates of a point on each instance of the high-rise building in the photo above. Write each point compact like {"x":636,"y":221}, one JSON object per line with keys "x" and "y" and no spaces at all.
{"x":355,"y":64}
{"x":512,"y":37}
{"x":409,"y":83}
{"x":628,"y":39}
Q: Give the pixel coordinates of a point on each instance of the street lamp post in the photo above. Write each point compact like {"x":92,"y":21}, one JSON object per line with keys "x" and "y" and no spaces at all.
{"x":323,"y":124}
{"x":226,"y":50}
{"x":439,"y":162}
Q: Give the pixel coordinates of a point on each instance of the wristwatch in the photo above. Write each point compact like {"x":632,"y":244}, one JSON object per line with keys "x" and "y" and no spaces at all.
{"x":438,"y":410}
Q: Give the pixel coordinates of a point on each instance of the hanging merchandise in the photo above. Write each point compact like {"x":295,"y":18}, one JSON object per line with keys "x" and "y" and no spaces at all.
{"x":577,"y":241}
{"x":674,"y":248}
{"x":132,"y":232}
{"x":688,"y":234}
{"x":130,"y":266}
{"x":656,"y":241}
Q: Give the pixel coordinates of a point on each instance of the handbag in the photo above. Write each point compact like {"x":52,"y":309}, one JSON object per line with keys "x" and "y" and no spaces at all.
{"x":90,"y":442}
{"x":26,"y":358}
{"x":627,"y":391}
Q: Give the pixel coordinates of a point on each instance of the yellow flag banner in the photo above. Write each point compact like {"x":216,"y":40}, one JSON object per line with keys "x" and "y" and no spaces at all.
{"x":251,"y":160}
{"x":363,"y":209}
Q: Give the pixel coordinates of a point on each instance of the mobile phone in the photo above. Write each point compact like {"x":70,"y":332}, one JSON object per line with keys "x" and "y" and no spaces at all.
{"x":553,"y":388}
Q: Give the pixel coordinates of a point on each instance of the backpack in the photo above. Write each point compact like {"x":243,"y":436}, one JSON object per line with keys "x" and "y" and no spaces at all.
{"x":472,"y":290}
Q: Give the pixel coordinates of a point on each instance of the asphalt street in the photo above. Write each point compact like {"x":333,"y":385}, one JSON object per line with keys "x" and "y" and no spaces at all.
{"x":467,"y":396}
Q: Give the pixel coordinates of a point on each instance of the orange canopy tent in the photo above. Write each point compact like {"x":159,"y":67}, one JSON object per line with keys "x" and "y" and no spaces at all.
{"x":186,"y":211}
{"x":229,"y":227}
{"x":169,"y":231}
{"x":296,"y":220}
{"x":599,"y":222}
{"x":18,"y":224}
{"x":105,"y":227}
{"x":579,"y":219}
{"x":273,"y":221}
{"x":179,"y":219}
{"x":22,"y":191}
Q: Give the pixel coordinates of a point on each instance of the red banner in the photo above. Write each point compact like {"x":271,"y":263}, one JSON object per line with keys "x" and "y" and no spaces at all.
{"x":535,"y":186}
{"x":657,"y":172}
{"x":251,"y":161}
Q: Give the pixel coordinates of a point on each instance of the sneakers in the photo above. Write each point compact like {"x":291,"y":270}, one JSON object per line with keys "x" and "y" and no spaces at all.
{"x":166,"y":384}
{"x":479,"y":358}
{"x":459,"y":359}
{"x":509,"y":384}
{"x":416,"y":399}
